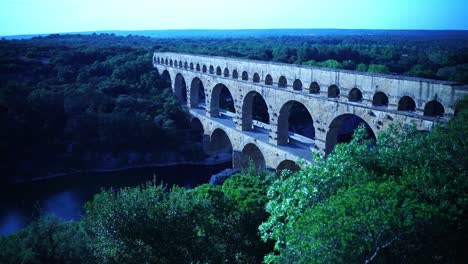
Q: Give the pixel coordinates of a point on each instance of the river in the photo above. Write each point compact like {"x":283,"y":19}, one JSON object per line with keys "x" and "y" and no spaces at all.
{"x":65,"y":196}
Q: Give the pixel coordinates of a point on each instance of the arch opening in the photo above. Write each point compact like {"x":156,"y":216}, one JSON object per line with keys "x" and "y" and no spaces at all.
{"x":166,"y":80}
{"x":341,"y":130}
{"x":185,"y":65}
{"x":211,"y":69}
{"x":197,"y":129}
{"x":380,"y":99}
{"x":255,"y":113}
{"x":218,"y":70}
{"x":221,"y":99}
{"x":197,"y":67}
{"x":434,"y":108}
{"x":171,"y":63}
{"x":197,"y":94}
{"x":297,"y":85}
{"x":251,"y":153}
{"x":180,"y":64}
{"x":287,"y":165}
{"x":295,"y":124}
{"x":176,"y":64}
{"x":314,"y":88}
{"x":180,"y":89}
{"x":235,"y":74}
{"x":256,"y":78}
{"x":204,"y":68}
{"x":282,"y":82}
{"x":268,"y":80}
{"x":355,"y":95}
{"x":406,"y":103}
{"x":226,"y":72}
{"x":245,"y":76}
{"x":333,"y":91}
{"x":191,"y":66}
{"x":220,"y":144}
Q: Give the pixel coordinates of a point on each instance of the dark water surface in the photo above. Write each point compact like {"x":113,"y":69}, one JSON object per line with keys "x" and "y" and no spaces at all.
{"x":65,"y":196}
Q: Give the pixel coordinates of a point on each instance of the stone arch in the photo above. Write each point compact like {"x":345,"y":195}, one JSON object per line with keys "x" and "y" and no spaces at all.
{"x":380,"y":99}
{"x":166,"y":79}
{"x":287,"y":165}
{"x":176,"y":64}
{"x":191,"y":65}
{"x":341,"y":130}
{"x":434,"y":108}
{"x":282,"y":82}
{"x":268,"y":80}
{"x":256,"y":78}
{"x":180,"y":64}
{"x":355,"y":95}
{"x":220,"y":143}
{"x":302,"y":123}
{"x":204,"y":69}
{"x":235,"y":74}
{"x":180,"y":88}
{"x":211,"y":69}
{"x":185,"y":65}
{"x":170,"y":62}
{"x":406,"y":103}
{"x":297,"y":85}
{"x":245,"y":76}
{"x":197,"y":67}
{"x":197,"y":93}
{"x":251,"y":152}
{"x":226,"y":72}
{"x":221,"y":92}
{"x":314,"y":88}
{"x":166,"y":62}
{"x":197,"y":128}
{"x":251,"y":106}
{"x":218,"y":70}
{"x":333,"y":91}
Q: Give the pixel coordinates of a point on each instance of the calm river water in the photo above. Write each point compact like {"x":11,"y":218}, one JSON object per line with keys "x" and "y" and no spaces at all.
{"x":65,"y":196}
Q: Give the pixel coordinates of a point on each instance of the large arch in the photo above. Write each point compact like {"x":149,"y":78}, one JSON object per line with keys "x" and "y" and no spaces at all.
{"x":197,"y":128}
{"x":254,"y":107}
{"x":221,"y":98}
{"x":434,"y":108}
{"x":341,"y":130}
{"x":197,"y":93}
{"x":166,"y":81}
{"x":380,"y":99}
{"x":251,"y":152}
{"x":294,"y":117}
{"x":406,"y":103}
{"x":220,"y":143}
{"x":287,"y":165}
{"x":180,"y":89}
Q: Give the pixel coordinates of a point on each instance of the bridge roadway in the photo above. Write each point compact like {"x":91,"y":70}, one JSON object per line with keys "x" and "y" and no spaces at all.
{"x":331,"y":97}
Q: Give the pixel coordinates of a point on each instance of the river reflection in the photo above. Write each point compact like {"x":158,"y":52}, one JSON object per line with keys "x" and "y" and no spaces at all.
{"x":65,"y":196}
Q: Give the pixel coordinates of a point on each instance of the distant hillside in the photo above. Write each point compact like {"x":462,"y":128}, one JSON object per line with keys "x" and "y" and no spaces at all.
{"x":252,"y":33}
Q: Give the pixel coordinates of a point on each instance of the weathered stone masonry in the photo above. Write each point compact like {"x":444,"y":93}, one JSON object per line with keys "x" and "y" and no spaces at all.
{"x":328,"y":94}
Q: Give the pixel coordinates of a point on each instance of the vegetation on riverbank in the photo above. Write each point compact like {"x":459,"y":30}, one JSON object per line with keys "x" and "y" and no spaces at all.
{"x":403,"y":200}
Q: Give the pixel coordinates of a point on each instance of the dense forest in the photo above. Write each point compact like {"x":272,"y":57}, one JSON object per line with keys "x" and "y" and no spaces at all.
{"x":72,"y":102}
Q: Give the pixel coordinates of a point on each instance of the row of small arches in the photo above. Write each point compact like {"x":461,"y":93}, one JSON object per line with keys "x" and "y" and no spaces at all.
{"x":406,"y":103}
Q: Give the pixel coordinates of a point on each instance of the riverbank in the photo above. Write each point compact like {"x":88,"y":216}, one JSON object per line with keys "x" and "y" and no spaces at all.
{"x":211,"y":160}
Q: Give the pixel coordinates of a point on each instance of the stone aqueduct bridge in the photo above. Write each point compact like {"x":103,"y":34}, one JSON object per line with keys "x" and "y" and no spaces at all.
{"x":329,"y":95}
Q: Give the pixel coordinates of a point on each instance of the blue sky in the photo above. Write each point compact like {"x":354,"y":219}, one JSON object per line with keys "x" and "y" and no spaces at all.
{"x":57,"y":16}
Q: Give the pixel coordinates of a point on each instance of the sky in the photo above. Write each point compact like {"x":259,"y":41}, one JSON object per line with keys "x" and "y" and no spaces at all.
{"x":59,"y":16}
